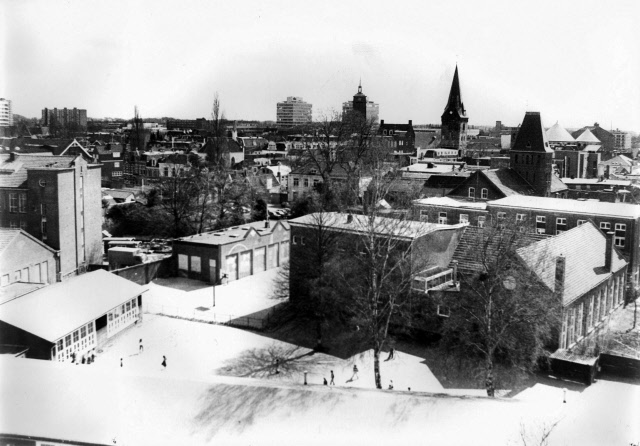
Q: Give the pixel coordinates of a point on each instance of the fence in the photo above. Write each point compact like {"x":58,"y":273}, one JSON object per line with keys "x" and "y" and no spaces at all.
{"x":211,"y":317}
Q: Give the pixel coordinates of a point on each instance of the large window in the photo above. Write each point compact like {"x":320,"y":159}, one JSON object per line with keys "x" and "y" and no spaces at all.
{"x":296,"y":182}
{"x":22,"y":203}
{"x":561,"y":225}
{"x":183,"y":262}
{"x":620,"y":234}
{"x":541,"y":224}
{"x":195,"y":264}
{"x":464,"y":218}
{"x":442,"y":218}
{"x":13,"y":203}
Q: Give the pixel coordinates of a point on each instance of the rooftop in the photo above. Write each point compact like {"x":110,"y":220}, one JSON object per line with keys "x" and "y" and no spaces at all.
{"x":566,"y":205}
{"x":584,"y":249}
{"x":56,"y":310}
{"x":557,"y":133}
{"x":596,"y":181}
{"x":450,"y":202}
{"x":235,"y":233}
{"x":13,"y":173}
{"x":404,"y":229}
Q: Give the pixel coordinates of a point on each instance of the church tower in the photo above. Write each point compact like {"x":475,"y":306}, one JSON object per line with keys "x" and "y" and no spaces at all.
{"x":531,"y":155}
{"x":454,"y":119}
{"x":360,"y":101}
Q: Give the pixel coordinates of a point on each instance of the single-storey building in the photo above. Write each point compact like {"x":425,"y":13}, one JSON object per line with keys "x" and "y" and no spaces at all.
{"x":233,"y":253}
{"x":71,"y":318}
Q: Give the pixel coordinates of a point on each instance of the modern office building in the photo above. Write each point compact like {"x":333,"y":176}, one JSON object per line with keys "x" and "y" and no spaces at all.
{"x":6,"y":115}
{"x":294,"y":111}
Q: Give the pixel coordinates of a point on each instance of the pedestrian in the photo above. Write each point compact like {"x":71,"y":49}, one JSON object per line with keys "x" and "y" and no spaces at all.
{"x":120,"y":362}
{"x":409,"y":388}
{"x":164,"y":362}
{"x":332,"y":378}
{"x":93,"y":355}
{"x":391,"y":385}
{"x":73,"y":357}
{"x":277,"y":366}
{"x":355,"y":372}
{"x":324,"y":381}
{"x":391,"y":352}
{"x":141,"y":349}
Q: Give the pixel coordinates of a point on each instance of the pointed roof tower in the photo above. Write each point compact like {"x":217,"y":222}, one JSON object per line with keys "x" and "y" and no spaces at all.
{"x":557,"y":133}
{"x":531,"y":136}
{"x":455,"y":104}
{"x":360,"y":93}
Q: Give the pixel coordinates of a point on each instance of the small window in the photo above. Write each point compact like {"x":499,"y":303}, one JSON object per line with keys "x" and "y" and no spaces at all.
{"x":502,"y":215}
{"x":618,"y":241}
{"x":60,"y":345}
{"x":90,"y":327}
{"x":83,"y":332}
{"x":605,"y":226}
{"x":541,"y":219}
{"x":484,"y":193}
{"x":472,"y":192}
{"x":296,"y":182}
{"x":133,"y":303}
{"x":76,"y":336}
{"x":581,"y":222}
{"x":464,"y":218}
{"x":306,"y":182}
{"x":424,"y":215}
{"x":128,"y":306}
{"x":520,"y":218}
{"x":620,"y":227}
{"x":481,"y":220}
{"x":442,"y":218}
{"x":295,"y":239}
{"x":444,"y":311}
{"x":302,"y":240}
{"x":67,"y":341}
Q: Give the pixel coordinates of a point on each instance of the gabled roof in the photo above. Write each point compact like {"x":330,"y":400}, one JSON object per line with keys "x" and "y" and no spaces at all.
{"x":8,"y":235}
{"x":587,"y":136}
{"x":56,"y":310}
{"x":508,"y":181}
{"x":531,"y":137}
{"x":236,"y":233}
{"x":584,"y":250}
{"x":557,"y":133}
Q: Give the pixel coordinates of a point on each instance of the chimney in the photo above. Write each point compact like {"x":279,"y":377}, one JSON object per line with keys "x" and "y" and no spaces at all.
{"x":410,"y":122}
{"x":608,"y":254}
{"x":382,"y":122}
{"x":560,"y":274}
{"x":349,"y":218}
{"x":267,"y":224}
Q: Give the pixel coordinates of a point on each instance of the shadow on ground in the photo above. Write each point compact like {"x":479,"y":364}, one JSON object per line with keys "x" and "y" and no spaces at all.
{"x":182,"y":283}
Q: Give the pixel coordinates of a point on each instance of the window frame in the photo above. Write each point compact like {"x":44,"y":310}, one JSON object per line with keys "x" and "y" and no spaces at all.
{"x":484,"y":193}
{"x":472,"y":192}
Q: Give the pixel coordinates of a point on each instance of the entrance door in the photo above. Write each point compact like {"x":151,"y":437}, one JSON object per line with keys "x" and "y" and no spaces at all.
{"x":232,"y":267}
{"x":101,"y":330}
{"x":259,"y":259}
{"x":244,"y":264}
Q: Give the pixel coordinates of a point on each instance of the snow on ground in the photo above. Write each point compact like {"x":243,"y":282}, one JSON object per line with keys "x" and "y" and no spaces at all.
{"x":238,"y":298}
{"x":88,"y":404}
{"x":197,"y":350}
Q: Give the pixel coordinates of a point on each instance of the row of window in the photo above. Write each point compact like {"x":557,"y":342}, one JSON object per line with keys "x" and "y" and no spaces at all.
{"x":78,"y":341}
{"x":600,"y":304}
{"x":297,"y":240}
{"x":484,"y":193}
{"x":296,"y":182}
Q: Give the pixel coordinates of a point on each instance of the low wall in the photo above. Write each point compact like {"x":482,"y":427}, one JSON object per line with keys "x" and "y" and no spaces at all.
{"x":146,"y":272}
{"x":620,"y":365}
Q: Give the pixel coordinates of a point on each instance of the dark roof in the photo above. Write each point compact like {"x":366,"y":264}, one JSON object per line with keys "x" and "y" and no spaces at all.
{"x":455,"y":104}
{"x":508,"y":181}
{"x":444,"y":181}
{"x":396,"y":127}
{"x":531,"y":137}
{"x":478,"y":244}
{"x":14,"y":173}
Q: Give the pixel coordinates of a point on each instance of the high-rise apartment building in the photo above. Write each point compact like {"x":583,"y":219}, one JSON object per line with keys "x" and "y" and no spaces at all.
{"x":294,"y":111}
{"x":622,"y":140}
{"x":6,"y":115}
{"x":64,"y":117}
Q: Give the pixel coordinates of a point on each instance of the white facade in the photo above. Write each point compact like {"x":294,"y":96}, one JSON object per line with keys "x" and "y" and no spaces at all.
{"x":6,"y":115}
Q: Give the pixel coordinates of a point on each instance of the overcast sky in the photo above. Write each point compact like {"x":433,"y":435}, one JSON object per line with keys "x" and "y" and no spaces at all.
{"x":577,"y":62}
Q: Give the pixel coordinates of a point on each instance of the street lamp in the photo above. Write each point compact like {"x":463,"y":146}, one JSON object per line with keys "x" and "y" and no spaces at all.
{"x":216,"y":282}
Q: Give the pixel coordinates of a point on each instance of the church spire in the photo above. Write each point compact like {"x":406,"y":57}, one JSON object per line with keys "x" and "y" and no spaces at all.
{"x":455,"y":103}
{"x":360,"y":86}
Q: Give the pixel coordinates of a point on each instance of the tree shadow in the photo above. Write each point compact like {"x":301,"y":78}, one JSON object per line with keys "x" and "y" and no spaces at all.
{"x":270,"y":362}
{"x":182,"y":283}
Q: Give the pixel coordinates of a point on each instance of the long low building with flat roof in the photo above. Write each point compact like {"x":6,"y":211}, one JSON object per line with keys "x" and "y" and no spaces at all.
{"x":71,"y":318}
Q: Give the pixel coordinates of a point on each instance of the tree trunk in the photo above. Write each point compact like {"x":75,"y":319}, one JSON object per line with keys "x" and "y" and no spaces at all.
{"x":376,"y":366}
{"x":488,"y":383}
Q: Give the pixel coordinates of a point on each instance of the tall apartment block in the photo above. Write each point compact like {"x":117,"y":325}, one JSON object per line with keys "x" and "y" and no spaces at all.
{"x":64,"y":117}
{"x":294,"y":111}
{"x":6,"y":115}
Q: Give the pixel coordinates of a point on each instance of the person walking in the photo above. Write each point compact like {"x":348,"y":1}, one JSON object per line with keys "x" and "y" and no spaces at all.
{"x":391,"y":385}
{"x":120,"y":362}
{"x":332,"y":379}
{"x":141,"y":348}
{"x":164,"y":362}
{"x":355,"y":372}
{"x":391,"y":352}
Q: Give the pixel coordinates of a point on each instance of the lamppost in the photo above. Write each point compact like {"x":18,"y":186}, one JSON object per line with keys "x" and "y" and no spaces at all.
{"x":216,"y":282}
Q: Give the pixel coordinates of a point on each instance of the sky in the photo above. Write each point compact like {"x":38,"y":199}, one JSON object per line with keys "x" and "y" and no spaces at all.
{"x":574,"y":61}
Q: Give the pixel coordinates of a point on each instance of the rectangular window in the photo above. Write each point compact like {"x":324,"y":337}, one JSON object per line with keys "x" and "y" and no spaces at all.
{"x":116,"y":164}
{"x":76,"y":336}
{"x":519,"y":218}
{"x":90,"y":327}
{"x":67,"y":341}
{"x":472,"y":192}
{"x":579,"y":320}
{"x":502,"y":215}
{"x":484,"y":193}
{"x":133,"y":303}
{"x":128,"y":306}
{"x":83,"y":332}
{"x":541,"y":224}
{"x":13,"y":203}
{"x":195,"y":264}
{"x":620,"y":234}
{"x":60,"y":345}
{"x":444,"y":311}
{"x":464,"y":218}
{"x":183,"y":262}
{"x":43,"y":209}
{"x":481,"y":220}
{"x":590,"y":312}
{"x":581,"y":222}
{"x":605,"y":226}
{"x":561,"y":225}
{"x":442,"y":218}
{"x":296,"y":182}
{"x":22,"y":203}
{"x":424,"y":215}
{"x":306,"y":182}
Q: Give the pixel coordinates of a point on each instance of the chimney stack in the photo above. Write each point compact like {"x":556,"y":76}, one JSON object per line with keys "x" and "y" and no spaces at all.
{"x":560,"y":274}
{"x":608,"y":252}
{"x":267,"y":224}
{"x":349,"y":218}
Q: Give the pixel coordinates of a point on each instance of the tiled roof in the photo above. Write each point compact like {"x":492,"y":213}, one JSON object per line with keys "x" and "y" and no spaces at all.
{"x":56,"y":310}
{"x":508,"y":181}
{"x":573,"y":206}
{"x":14,"y":173}
{"x":584,"y":249}
{"x":478,"y":246}
{"x":235,"y":234}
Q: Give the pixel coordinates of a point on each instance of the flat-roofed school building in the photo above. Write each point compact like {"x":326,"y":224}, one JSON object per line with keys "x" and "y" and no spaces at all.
{"x":70,"y":317}
{"x":233,"y":253}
